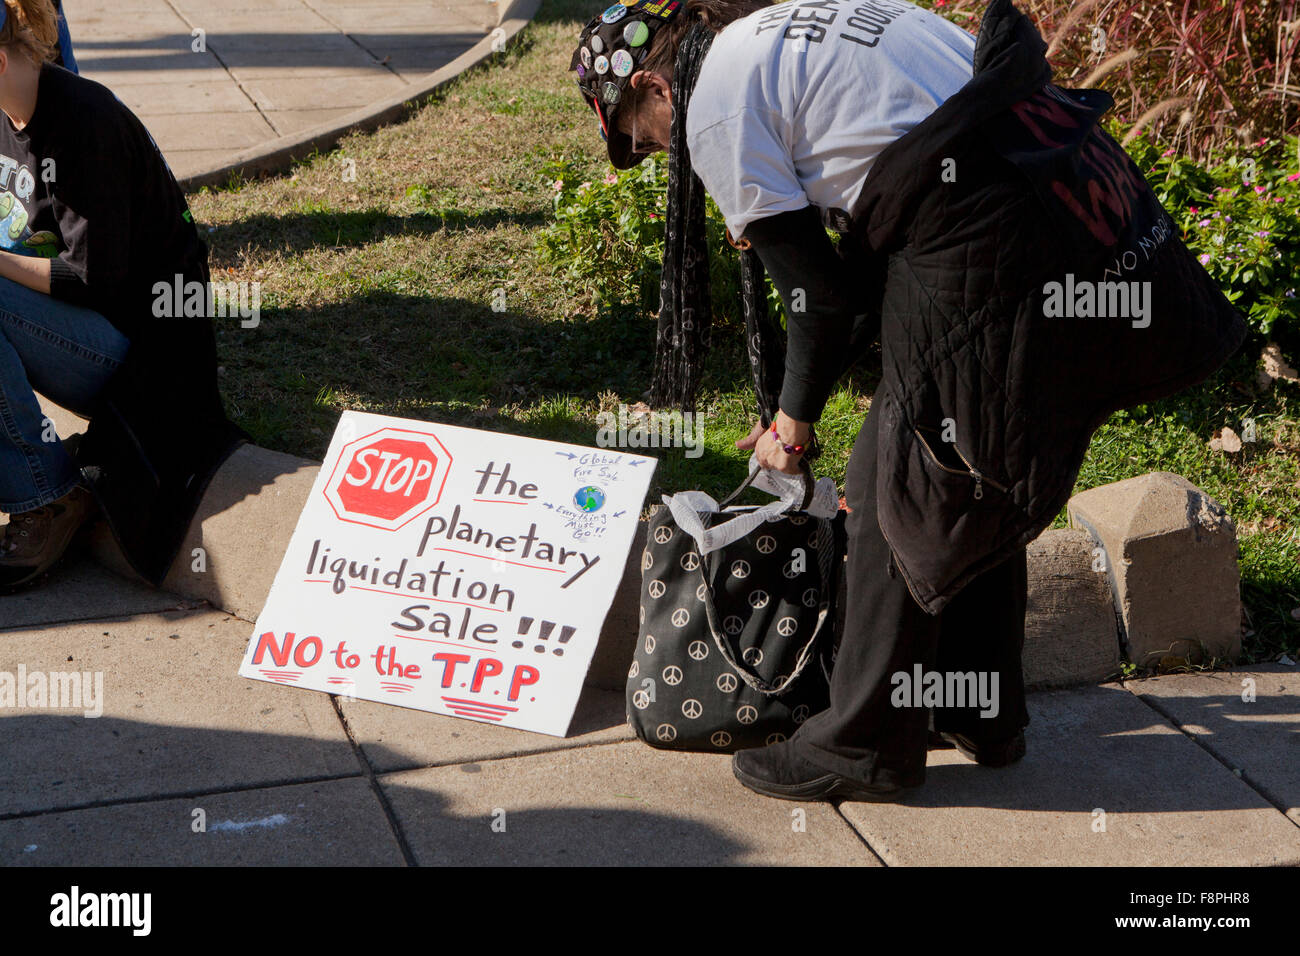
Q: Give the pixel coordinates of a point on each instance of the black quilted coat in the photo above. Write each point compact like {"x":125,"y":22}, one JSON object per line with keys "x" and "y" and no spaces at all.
{"x":1008,"y":186}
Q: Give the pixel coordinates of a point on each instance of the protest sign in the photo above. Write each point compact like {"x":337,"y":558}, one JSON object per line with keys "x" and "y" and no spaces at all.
{"x":451,"y":570}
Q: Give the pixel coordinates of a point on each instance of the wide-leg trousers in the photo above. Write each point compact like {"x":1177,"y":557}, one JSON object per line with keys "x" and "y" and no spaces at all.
{"x":872,"y":730}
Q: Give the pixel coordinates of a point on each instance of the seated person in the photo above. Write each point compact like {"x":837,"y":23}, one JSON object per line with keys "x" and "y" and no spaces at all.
{"x":92,"y":227}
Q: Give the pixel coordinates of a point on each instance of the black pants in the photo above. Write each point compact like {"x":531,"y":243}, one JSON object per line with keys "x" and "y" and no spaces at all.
{"x":863,"y":735}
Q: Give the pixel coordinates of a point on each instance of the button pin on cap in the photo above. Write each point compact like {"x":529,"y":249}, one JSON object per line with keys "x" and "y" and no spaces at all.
{"x":636,"y":33}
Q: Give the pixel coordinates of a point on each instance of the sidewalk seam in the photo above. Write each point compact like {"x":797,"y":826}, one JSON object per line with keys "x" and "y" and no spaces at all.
{"x":1254,"y":785}
{"x":233,"y":79}
{"x":369,"y":772}
{"x":357,"y":43}
{"x":205,"y":607}
{"x":858,"y":833}
{"x":177,"y":795}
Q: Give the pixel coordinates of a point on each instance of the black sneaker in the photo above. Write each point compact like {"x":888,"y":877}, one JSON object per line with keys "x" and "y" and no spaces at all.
{"x":1000,"y":754}
{"x":778,"y":771}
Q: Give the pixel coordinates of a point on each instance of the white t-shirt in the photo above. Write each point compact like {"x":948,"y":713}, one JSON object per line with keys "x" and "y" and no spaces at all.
{"x":795,"y":101}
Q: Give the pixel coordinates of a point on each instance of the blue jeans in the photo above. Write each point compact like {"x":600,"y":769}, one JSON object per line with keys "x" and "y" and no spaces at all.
{"x":68,"y":354}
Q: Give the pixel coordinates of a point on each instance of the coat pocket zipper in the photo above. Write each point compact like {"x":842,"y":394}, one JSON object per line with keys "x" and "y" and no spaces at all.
{"x":893,"y":555}
{"x":980,"y":478}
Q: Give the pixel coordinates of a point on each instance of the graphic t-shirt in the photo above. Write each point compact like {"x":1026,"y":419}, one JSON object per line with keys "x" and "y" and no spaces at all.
{"x":83,"y":184}
{"x":795,"y":101}
{"x":19,"y":206}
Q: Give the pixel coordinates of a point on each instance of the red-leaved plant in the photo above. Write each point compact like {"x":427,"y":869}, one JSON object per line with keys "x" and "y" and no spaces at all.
{"x":1201,"y":76}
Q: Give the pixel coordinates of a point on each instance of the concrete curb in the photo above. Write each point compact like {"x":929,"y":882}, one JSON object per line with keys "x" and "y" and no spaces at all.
{"x":238,"y":538}
{"x":278,"y":154}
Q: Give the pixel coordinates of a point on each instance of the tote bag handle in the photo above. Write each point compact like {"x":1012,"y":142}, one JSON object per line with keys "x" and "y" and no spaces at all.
{"x":819,"y":500}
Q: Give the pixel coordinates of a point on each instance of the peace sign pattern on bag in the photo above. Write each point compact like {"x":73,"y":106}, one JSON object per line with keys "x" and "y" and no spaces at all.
{"x":766,"y":588}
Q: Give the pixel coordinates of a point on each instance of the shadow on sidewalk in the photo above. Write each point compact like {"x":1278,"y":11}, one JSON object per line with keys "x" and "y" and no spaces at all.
{"x":1084,"y":754}
{"x":133,"y":789}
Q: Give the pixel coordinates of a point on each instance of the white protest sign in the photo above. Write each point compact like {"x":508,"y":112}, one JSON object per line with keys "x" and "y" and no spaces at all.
{"x":451,"y":570}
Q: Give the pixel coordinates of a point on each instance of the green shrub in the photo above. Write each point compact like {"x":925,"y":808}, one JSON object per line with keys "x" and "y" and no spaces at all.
{"x":1242,"y":218}
{"x":608,"y":235}
{"x":608,"y":231}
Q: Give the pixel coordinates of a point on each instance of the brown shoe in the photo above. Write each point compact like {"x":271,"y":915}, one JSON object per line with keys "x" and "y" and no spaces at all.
{"x":34,"y":541}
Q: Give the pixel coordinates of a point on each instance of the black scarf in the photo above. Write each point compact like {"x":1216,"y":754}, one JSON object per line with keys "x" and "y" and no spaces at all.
{"x":685,"y":313}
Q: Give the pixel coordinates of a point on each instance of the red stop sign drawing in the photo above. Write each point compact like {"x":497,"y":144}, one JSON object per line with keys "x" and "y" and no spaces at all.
{"x":388,"y":478}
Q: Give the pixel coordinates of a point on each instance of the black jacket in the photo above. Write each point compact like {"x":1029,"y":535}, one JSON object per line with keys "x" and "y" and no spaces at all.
{"x":961,"y":226}
{"x":155,"y":440}
{"x":1042,"y":194}
{"x":158,"y":431}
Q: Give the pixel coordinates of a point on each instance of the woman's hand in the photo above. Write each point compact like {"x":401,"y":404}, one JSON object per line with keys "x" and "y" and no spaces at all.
{"x":771,"y":455}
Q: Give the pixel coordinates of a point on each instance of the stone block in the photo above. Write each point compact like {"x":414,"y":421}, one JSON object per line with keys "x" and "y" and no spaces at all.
{"x":1171,"y":561}
{"x":1070,"y":630}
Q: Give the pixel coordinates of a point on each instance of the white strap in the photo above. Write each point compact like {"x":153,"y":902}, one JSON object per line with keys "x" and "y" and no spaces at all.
{"x":687,"y":507}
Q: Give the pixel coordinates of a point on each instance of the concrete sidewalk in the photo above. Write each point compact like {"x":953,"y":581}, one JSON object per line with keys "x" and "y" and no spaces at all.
{"x":190,"y":763}
{"x":263,"y":70}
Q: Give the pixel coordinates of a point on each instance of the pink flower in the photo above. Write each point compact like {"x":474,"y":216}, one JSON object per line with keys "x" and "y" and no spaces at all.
{"x":558,"y":185}
{"x":610,"y":179}
{"x":1277,"y":199}
{"x":1293,"y":177}
{"x":1204,"y":259}
{"x":1203,"y":223}
{"x":1193,"y":210}
{"x":1168,"y":152}
{"x":1259,"y":189}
